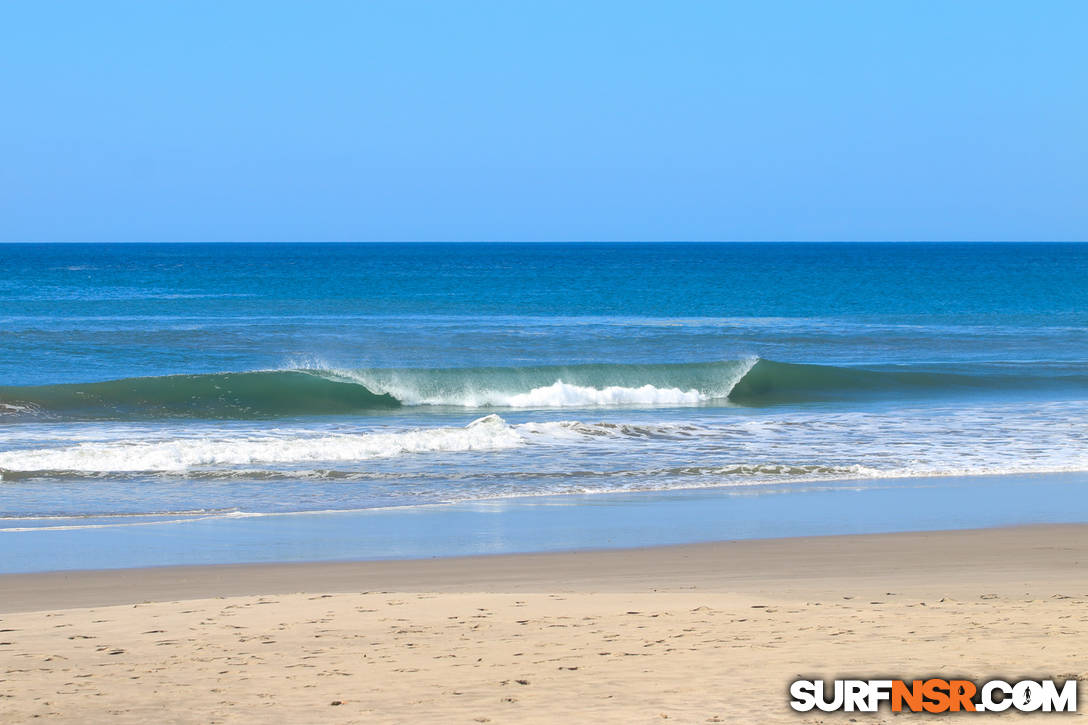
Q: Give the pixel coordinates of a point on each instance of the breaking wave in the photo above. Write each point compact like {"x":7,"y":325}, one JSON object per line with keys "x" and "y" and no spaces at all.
{"x":322,"y":391}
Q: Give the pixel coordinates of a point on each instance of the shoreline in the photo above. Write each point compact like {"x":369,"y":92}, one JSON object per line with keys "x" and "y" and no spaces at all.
{"x":917,"y":560}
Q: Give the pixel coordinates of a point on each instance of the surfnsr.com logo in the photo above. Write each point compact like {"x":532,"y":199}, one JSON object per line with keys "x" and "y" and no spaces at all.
{"x":933,"y":695}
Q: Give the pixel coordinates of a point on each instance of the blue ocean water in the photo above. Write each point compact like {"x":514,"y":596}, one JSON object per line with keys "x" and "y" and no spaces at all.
{"x":173,"y":383}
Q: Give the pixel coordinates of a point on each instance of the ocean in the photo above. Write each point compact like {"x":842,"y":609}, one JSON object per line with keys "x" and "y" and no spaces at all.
{"x":151,"y":391}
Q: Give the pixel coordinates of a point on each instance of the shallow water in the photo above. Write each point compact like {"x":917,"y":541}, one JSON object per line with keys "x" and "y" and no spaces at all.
{"x":555,"y":523}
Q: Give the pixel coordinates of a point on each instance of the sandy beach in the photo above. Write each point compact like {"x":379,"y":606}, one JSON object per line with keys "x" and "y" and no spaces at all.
{"x":702,"y":633}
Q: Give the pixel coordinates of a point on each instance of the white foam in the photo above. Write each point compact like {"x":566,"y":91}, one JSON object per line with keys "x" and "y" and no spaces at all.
{"x":488,"y":433}
{"x":564,"y":395}
{"x":123,"y":451}
{"x":561,"y":430}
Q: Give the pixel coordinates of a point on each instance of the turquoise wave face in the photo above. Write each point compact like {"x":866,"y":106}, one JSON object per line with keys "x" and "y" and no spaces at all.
{"x":268,"y":394}
{"x":222,"y":395}
{"x":770,"y":382}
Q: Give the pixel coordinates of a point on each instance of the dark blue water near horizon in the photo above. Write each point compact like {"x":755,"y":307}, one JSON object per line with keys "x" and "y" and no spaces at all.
{"x":80,"y":312}
{"x":759,"y":279}
{"x":160,"y":384}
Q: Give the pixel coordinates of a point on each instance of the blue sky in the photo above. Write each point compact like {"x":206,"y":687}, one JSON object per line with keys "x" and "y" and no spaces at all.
{"x":340,"y":121}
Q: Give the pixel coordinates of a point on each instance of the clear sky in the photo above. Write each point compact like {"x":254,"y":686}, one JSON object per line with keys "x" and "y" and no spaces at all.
{"x":517,"y":120}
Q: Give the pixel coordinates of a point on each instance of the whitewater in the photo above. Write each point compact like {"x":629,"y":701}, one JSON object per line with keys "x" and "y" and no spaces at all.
{"x":307,"y":466}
